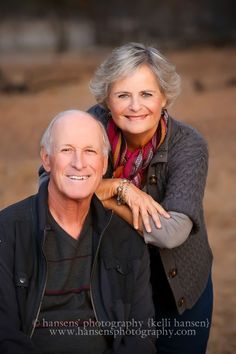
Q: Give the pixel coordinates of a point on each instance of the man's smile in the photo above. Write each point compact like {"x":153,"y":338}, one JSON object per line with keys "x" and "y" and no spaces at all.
{"x":78,"y":178}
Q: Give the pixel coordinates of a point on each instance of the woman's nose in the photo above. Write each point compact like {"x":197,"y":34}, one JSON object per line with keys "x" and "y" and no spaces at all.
{"x":135,"y":104}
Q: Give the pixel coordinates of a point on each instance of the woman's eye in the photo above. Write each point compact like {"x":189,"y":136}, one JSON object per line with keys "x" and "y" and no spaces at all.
{"x":146,"y":94}
{"x":123,"y":95}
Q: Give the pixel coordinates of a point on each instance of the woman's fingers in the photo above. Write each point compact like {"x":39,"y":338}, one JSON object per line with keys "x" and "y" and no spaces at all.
{"x":136,"y":197}
{"x":161,"y":210}
{"x":146,"y":213}
{"x":153,"y":210}
{"x":144,"y":206}
{"x":145,"y":219}
{"x":156,"y":219}
{"x":135,"y":213}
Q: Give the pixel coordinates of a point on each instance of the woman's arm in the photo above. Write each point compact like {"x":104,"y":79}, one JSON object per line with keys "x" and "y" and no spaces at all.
{"x":187,"y":173}
{"x":140,"y":203}
{"x":107,"y":188}
{"x":173,"y":232}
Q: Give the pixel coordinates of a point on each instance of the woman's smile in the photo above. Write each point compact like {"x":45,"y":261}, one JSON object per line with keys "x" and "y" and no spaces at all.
{"x":136,"y":103}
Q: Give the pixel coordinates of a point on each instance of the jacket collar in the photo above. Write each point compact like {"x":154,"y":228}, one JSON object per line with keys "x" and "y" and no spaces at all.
{"x":100,"y":215}
{"x":162,"y":153}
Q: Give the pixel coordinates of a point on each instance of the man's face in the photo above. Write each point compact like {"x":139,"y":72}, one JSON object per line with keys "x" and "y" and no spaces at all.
{"x":76,"y":161}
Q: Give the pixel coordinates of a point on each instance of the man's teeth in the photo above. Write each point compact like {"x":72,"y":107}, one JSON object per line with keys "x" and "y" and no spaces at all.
{"x":79,"y":178}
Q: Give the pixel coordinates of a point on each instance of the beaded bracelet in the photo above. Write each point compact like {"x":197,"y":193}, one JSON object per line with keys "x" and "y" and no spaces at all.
{"x":121,"y":191}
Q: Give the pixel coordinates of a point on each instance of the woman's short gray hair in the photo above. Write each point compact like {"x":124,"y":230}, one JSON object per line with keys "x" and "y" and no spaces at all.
{"x":124,"y":60}
{"x":47,"y":137}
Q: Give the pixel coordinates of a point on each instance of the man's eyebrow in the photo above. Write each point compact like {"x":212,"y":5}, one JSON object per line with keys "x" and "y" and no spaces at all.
{"x":64,"y":144}
{"x":85,"y":147}
{"x":91,"y":147}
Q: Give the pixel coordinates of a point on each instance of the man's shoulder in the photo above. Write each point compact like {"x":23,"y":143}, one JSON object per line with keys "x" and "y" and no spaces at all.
{"x":124,"y":237}
{"x":17,"y":211}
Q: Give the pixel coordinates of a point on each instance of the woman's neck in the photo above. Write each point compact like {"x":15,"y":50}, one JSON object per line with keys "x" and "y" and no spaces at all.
{"x":137,"y":141}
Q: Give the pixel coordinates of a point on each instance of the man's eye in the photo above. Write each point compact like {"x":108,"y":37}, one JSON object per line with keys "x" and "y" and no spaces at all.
{"x":66,"y":150}
{"x":92,"y":151}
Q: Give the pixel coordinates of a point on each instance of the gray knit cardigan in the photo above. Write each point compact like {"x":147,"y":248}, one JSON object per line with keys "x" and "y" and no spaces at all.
{"x":176,"y":179}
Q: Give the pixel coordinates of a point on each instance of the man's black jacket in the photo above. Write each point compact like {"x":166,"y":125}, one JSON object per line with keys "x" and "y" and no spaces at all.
{"x":120,"y":289}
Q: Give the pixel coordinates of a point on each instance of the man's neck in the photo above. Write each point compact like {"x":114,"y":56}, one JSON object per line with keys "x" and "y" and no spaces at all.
{"x":69,"y":214}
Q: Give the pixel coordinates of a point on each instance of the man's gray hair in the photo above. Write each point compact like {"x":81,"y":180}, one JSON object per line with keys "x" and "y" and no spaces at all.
{"x":126,"y":59}
{"x":47,"y":137}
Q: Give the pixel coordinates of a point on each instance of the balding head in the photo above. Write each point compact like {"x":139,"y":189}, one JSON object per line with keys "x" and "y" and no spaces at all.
{"x":66,"y":117}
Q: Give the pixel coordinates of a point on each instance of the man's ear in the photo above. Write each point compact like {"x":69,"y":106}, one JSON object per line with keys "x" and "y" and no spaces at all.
{"x":45,"y":159}
{"x":105,"y":164}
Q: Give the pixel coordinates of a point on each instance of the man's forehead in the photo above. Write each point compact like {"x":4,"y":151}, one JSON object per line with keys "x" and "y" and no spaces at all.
{"x":77,"y":144}
{"x":81,"y":120}
{"x":78,"y":139}
{"x":71,"y":129}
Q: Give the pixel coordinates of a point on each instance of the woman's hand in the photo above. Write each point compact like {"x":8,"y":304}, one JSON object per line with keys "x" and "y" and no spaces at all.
{"x":140,"y":203}
{"x":143,"y":205}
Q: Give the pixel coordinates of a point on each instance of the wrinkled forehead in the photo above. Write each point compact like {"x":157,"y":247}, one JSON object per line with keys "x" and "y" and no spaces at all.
{"x":78,"y":131}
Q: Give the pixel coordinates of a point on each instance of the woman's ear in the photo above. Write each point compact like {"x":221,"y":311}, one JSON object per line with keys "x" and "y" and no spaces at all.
{"x":45,"y":159}
{"x":164,"y":101}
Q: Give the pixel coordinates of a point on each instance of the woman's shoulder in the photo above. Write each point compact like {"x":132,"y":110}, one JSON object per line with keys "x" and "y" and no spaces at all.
{"x":185,"y":135}
{"x":100,"y":113}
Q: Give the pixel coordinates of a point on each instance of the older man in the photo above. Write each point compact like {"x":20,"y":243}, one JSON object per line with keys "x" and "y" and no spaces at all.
{"x":74,"y":277}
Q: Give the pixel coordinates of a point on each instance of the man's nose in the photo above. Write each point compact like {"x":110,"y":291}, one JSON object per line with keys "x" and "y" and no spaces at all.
{"x":78,"y":160}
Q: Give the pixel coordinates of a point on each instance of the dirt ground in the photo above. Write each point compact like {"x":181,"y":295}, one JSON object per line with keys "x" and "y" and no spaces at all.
{"x":39,"y":86}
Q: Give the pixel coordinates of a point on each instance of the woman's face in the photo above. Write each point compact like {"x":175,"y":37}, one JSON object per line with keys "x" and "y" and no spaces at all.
{"x":135,"y":103}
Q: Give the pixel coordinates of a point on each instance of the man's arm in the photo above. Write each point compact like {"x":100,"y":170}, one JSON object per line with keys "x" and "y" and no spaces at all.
{"x":12,"y":339}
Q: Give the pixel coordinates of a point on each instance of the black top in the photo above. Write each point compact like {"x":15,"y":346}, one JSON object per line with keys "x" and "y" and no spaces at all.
{"x":66,"y":305}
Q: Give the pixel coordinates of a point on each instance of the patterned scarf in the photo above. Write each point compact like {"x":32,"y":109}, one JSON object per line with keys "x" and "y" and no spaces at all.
{"x":132,"y":164}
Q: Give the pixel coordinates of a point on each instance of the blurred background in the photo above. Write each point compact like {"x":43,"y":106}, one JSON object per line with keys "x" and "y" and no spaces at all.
{"x":49,"y":50}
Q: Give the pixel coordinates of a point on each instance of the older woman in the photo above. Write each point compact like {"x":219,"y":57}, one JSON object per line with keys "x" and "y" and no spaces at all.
{"x":156,"y":181}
